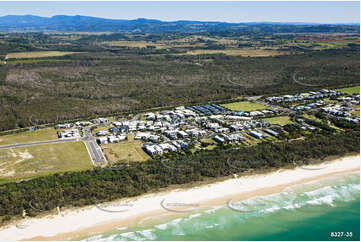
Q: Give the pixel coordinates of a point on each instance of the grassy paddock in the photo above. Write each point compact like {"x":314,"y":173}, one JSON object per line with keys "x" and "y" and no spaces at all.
{"x":350,"y":90}
{"x":130,"y":150}
{"x":37,"y":54}
{"x":29,"y":136}
{"x":282,"y":120}
{"x":244,"y":106}
{"x":41,"y":160}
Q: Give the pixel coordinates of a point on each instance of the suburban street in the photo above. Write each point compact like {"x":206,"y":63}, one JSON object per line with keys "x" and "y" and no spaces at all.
{"x":93,"y":148}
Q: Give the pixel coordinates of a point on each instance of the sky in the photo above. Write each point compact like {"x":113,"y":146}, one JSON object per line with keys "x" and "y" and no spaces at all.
{"x":285,"y":11}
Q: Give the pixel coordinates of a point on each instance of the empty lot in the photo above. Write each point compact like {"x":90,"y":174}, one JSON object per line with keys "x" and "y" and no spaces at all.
{"x":40,"y":160}
{"x":282,"y":120}
{"x":350,"y":90}
{"x":244,"y":106}
{"x":29,"y":136}
{"x":125,"y":151}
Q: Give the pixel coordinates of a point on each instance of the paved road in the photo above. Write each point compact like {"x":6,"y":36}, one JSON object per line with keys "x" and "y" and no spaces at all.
{"x":39,"y":143}
{"x":93,"y":148}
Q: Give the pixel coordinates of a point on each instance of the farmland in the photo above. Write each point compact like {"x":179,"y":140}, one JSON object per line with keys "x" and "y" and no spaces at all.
{"x":237,"y":52}
{"x":40,"y":160}
{"x":244,"y":106}
{"x":37,"y":54}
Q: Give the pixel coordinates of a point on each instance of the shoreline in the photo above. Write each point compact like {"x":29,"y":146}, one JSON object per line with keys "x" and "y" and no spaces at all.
{"x":78,"y":222}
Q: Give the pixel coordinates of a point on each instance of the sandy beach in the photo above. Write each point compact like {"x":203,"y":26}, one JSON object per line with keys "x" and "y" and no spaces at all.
{"x":73,"y":223}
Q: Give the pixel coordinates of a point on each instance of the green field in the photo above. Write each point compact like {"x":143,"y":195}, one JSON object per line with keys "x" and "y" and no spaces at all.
{"x":244,"y":106}
{"x":29,"y":136}
{"x":40,"y":160}
{"x":37,"y":54}
{"x":130,"y":150}
{"x":282,"y":120}
{"x":350,"y":90}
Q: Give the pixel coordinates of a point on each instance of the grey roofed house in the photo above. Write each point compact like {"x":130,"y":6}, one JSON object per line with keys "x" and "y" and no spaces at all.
{"x":271,"y":132}
{"x":101,"y":133}
{"x":141,"y":135}
{"x":63,"y":126}
{"x":219,"y":139}
{"x":100,"y":121}
{"x":102,"y":140}
{"x":176,"y":144}
{"x":153,"y":149}
{"x":154,"y":138}
{"x":256,"y":134}
{"x":182,"y":134}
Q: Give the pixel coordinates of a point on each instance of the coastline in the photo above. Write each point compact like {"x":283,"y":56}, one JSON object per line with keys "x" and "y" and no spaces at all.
{"x":78,"y":222}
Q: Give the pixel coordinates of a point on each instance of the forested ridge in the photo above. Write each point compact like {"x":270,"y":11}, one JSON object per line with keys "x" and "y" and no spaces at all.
{"x":134,"y":178}
{"x":79,"y":23}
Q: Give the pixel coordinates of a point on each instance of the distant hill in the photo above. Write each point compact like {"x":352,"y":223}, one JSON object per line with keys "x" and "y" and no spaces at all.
{"x":64,"y":23}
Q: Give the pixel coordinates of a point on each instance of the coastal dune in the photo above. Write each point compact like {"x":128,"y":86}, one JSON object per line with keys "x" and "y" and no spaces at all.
{"x":77,"y":222}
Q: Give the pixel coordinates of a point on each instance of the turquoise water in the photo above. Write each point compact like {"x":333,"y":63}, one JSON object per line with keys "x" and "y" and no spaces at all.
{"x":305,"y":212}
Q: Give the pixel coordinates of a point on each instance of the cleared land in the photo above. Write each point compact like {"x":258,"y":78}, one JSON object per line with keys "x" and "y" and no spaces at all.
{"x":29,"y":136}
{"x":237,"y":52}
{"x":37,"y":54}
{"x":282,"y":120}
{"x":357,"y":110}
{"x":40,"y":160}
{"x":244,"y":106}
{"x":125,"y":151}
{"x":350,"y":90}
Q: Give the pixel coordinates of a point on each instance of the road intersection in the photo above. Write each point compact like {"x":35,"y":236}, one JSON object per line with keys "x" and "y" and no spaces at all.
{"x":93,"y":148}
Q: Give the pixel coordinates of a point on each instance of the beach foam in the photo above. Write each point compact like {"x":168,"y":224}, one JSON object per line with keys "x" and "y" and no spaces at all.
{"x":265,"y":193}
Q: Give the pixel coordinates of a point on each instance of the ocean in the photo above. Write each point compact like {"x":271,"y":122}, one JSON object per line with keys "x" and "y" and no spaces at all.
{"x":324,"y":210}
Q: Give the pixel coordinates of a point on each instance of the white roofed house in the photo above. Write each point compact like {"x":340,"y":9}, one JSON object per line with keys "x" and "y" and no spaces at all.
{"x":235,"y":138}
{"x":153,"y":149}
{"x":219,"y":139}
{"x":112,"y":139}
{"x":141,"y":135}
{"x":117,"y":124}
{"x":63,"y":126}
{"x":176,"y":144}
{"x":100,"y":121}
{"x":222,"y":130}
{"x":102,"y":140}
{"x":256,"y":134}
{"x":154,"y":138}
{"x":172,"y":134}
{"x":116,"y":139}
{"x":73,"y":133}
{"x":149,"y":116}
{"x":102,"y":133}
{"x":141,"y":127}
{"x":182,"y":134}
